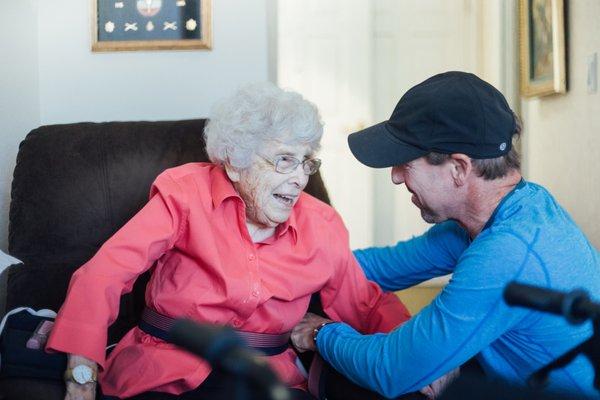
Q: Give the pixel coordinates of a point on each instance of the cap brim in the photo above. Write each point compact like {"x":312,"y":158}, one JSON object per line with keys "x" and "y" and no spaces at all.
{"x":376,"y":147}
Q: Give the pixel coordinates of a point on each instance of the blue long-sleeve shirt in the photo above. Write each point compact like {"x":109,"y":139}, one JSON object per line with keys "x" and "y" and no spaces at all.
{"x":529,"y":238}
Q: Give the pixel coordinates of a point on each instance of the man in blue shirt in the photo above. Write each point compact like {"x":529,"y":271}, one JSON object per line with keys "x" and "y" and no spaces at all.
{"x":449,"y":140}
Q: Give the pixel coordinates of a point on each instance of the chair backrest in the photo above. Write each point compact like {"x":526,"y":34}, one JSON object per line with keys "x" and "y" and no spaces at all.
{"x":75,"y":185}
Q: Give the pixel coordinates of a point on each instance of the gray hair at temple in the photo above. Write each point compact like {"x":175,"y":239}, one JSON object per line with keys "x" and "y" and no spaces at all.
{"x":490,"y":168}
{"x":255,"y":115}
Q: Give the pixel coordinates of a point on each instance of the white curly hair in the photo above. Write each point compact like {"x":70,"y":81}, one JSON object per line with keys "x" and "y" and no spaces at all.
{"x":255,"y":115}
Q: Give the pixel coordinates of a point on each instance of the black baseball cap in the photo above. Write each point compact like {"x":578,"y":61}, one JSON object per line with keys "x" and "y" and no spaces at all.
{"x":452,"y":112}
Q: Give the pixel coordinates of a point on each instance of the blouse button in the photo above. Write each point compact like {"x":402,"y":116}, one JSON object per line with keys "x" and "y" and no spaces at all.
{"x":251,"y":257}
{"x":237,"y":323}
{"x":255,"y":293}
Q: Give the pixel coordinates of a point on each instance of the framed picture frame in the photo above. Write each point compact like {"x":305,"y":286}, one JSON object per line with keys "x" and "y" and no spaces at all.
{"x":542,"y":42}
{"x":129,"y":25}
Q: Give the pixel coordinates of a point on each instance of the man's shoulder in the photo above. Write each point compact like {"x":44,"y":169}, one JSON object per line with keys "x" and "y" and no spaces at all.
{"x":536,"y":218}
{"x":532,"y":198}
{"x":538,"y":252}
{"x":529,"y":212}
{"x":499,"y":241}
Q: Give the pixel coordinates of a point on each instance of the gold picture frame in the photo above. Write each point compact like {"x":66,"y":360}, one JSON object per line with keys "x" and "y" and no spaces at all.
{"x":542,"y":44}
{"x":131,"y":25}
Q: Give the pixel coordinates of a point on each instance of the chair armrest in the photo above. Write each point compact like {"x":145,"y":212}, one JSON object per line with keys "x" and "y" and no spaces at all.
{"x":37,"y":285}
{"x":45,"y":286}
{"x":3,"y":287}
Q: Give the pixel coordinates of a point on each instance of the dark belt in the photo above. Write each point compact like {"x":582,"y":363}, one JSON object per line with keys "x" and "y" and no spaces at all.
{"x":158,"y":325}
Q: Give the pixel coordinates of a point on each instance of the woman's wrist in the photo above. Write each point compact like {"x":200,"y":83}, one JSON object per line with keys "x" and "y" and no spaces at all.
{"x":74,"y":360}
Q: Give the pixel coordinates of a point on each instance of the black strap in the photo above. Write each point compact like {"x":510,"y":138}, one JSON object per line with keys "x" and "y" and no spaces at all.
{"x":164,"y":335}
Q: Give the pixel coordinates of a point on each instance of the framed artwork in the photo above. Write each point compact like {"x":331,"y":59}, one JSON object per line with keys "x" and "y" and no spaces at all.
{"x":125,"y":25}
{"x":542,"y":47}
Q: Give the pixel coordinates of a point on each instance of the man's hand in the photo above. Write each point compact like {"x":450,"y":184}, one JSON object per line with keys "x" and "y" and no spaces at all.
{"x":302,"y":334}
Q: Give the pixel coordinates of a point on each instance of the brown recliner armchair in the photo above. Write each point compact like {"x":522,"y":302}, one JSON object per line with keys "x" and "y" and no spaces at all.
{"x":74,"y":186}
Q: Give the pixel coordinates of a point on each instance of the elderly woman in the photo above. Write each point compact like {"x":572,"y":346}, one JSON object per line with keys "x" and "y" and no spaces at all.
{"x":233,"y":242}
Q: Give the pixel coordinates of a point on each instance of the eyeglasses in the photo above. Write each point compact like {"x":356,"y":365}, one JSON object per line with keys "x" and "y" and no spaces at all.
{"x":285,"y":164}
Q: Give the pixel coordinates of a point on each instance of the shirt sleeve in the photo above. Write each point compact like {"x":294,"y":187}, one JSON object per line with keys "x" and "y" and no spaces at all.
{"x":466,"y":317}
{"x":93,"y":296}
{"x":410,"y":262}
{"x":349,"y":296}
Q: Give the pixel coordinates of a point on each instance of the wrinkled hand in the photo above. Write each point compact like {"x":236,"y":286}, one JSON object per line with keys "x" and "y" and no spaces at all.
{"x":435,"y":389}
{"x":76,"y":391}
{"x":302,"y":334}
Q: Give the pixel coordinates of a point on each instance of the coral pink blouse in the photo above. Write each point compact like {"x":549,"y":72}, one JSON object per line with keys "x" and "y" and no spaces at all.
{"x":206,"y":268}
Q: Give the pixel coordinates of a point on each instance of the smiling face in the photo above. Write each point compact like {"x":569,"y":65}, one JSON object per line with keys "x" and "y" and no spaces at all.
{"x":431,"y":187}
{"x":269,"y":195}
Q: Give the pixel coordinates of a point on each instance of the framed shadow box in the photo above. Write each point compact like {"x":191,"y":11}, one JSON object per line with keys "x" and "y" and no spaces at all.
{"x":125,"y":25}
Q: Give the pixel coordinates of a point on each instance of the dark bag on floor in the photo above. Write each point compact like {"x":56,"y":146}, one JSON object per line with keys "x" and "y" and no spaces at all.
{"x":18,"y":361}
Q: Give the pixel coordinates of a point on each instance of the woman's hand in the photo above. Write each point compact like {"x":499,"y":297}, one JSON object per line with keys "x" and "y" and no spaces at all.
{"x":302,"y":334}
{"x":76,"y":391}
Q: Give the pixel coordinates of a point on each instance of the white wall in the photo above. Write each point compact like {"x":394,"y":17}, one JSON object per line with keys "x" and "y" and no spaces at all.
{"x":78,"y":85}
{"x":325,"y":53}
{"x":561,"y":140}
{"x":51,"y":76}
{"x":407,"y":51}
{"x":19,"y":100}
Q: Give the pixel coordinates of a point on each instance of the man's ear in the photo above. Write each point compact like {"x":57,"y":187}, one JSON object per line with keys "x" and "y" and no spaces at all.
{"x":461,"y":168}
{"x":232,"y":172}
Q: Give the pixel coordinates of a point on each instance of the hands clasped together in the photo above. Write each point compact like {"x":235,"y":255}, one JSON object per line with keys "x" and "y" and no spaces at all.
{"x":303,"y":334}
{"x":303,"y":339}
